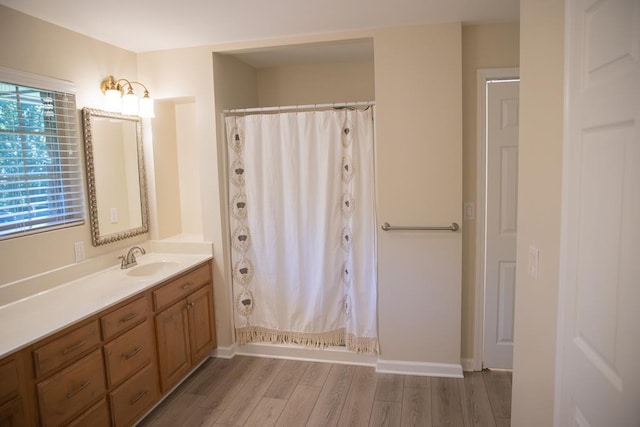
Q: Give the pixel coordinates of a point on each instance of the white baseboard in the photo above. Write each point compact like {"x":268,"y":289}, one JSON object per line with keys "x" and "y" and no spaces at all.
{"x":468,"y":365}
{"x":419,"y":368}
{"x":225,"y":352}
{"x":294,"y":352}
{"x":342,"y":356}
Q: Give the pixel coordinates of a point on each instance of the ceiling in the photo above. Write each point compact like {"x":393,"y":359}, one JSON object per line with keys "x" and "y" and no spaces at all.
{"x":148,"y":25}
{"x":312,"y":53}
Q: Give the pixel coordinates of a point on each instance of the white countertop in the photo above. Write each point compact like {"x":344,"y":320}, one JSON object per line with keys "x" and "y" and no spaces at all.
{"x":35,"y":317}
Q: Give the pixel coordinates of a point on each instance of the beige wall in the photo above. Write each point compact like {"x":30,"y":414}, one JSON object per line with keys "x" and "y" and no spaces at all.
{"x":316,"y":83}
{"x":418,"y":86}
{"x":235,"y":86}
{"x":483,"y":46}
{"x":166,"y":176}
{"x":188,"y":170}
{"x":188,"y":74}
{"x":539,"y":195}
{"x":41,"y":48}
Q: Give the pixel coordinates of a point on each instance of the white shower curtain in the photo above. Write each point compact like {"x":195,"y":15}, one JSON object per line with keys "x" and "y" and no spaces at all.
{"x":302,"y":217}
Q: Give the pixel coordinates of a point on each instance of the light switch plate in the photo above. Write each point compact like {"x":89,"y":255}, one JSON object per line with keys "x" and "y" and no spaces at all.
{"x":78,"y":247}
{"x":114,"y":215}
{"x":534,"y":255}
{"x":469,"y":210}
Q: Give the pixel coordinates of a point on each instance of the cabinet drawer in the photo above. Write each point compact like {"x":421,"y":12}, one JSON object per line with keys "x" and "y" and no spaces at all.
{"x":8,"y":380}
{"x":65,"y":349}
{"x":130,"y":401}
{"x":96,"y":416}
{"x":129,"y":352}
{"x":71,"y":390}
{"x":181,"y":286}
{"x":123,"y":318}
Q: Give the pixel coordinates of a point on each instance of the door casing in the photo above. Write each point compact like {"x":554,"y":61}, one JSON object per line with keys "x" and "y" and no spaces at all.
{"x":483,"y":75}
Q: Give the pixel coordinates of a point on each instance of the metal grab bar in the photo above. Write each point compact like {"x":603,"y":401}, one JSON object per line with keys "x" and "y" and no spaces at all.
{"x":388,"y":227}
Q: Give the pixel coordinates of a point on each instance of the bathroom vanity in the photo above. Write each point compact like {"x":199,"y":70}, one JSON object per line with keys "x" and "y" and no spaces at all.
{"x":102,"y":351}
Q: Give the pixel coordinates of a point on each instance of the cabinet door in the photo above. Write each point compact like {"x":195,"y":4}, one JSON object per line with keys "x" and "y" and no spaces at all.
{"x":202,"y":333}
{"x":11,"y":414}
{"x":173,"y":344}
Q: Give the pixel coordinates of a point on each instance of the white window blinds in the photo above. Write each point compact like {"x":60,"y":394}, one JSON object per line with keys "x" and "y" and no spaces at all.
{"x":40,"y":176}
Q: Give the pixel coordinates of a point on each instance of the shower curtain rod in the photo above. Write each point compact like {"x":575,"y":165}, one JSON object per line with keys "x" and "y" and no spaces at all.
{"x":301,"y":107}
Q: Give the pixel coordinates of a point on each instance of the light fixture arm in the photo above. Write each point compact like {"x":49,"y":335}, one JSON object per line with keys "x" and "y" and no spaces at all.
{"x":119,"y":85}
{"x":110,"y":83}
{"x":146,"y":91}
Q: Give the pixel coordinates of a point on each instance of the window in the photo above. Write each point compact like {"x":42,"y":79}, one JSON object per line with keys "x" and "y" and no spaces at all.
{"x":40,"y":177}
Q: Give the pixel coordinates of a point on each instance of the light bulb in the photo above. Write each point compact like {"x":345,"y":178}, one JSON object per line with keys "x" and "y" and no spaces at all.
{"x":112,"y":101}
{"x":146,"y":107}
{"x":130,"y":104}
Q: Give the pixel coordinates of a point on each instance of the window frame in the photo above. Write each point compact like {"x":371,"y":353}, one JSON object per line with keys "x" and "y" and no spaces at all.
{"x":68,"y":159}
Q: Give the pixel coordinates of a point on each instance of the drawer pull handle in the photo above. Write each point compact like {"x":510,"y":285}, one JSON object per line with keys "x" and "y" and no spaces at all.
{"x":138,"y":397}
{"x":79,"y":389}
{"x":190,"y":305}
{"x":132,"y":353}
{"x":129,"y":317}
{"x":73,"y":347}
{"x":187,"y":285}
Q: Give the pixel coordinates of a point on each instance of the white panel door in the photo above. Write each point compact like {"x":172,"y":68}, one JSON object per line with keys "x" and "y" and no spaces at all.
{"x":501,"y":222}
{"x":599,"y":317}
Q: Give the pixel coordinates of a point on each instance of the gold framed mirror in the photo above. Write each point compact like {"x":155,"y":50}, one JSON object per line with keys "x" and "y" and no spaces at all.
{"x":116,"y":182}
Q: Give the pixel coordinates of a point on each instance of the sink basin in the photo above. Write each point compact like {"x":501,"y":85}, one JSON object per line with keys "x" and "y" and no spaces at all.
{"x":151,"y":268}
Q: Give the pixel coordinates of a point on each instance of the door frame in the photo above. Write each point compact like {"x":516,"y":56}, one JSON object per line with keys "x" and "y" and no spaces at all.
{"x":483,"y":76}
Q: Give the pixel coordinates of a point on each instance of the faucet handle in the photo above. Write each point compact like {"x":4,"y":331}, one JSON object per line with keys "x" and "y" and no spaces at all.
{"x":123,"y":261}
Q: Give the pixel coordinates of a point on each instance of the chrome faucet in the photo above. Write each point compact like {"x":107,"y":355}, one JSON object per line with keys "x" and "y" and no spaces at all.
{"x":129,"y":260}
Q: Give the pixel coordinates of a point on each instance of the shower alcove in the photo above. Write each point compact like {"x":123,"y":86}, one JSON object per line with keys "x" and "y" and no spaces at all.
{"x":310,"y":74}
{"x":187,"y":184}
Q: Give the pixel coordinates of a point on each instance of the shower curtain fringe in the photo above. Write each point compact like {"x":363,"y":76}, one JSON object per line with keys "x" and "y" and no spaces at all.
{"x":339,"y":337}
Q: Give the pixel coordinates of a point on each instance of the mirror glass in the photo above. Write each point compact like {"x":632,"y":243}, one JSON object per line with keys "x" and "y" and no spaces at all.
{"x":115,"y":175}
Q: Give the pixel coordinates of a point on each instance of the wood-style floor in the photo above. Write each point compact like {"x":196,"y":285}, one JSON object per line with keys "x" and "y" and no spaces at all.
{"x":249,"y":391}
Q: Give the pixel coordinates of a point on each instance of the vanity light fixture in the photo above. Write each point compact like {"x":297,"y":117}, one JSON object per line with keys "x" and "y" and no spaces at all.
{"x":117,"y":101}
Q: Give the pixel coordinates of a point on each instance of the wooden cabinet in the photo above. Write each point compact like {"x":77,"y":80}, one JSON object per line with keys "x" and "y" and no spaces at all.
{"x":109,"y":369}
{"x":130,"y":366}
{"x":185,"y":330}
{"x":65,"y":349}
{"x":71,"y":390}
{"x":181,"y":286}
{"x":129,"y":353}
{"x":172,"y":331}
{"x":78,"y":369}
{"x":124,"y":318}
{"x":133,"y":398}
{"x":96,"y":416}
{"x":14,"y":398}
{"x":202,"y":333}
{"x":12,"y":413}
